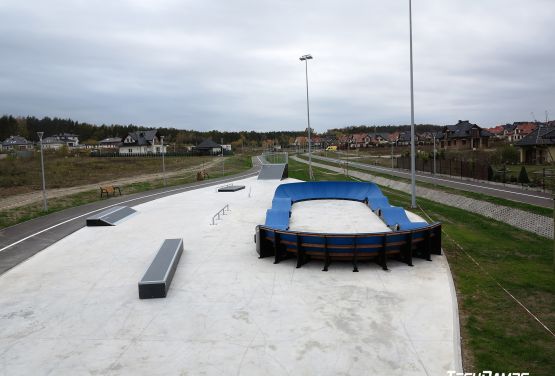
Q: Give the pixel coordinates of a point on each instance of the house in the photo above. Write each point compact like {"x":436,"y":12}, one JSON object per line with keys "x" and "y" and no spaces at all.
{"x":497,"y":131}
{"x":16,"y":143}
{"x":359,"y":140}
{"x":300,"y":141}
{"x":464,"y":135}
{"x":110,"y":143}
{"x":522,"y":130}
{"x":344,"y":141}
{"x":404,"y":138}
{"x":379,"y":139}
{"x":539,"y":146}
{"x":141,"y":142}
{"x":52,"y":143}
{"x":69,"y":139}
{"x":209,"y":147}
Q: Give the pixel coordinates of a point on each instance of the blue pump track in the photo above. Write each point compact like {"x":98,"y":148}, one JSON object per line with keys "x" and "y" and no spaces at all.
{"x":406,"y":240}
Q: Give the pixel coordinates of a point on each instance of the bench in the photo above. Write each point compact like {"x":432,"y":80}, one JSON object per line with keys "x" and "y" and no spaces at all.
{"x":109,"y":190}
{"x":158,"y":277}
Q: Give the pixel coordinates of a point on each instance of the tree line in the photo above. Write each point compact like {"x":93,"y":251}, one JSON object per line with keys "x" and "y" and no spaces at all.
{"x":90,"y":133}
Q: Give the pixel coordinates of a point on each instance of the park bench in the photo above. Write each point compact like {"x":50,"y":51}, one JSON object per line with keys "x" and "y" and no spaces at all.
{"x":158,"y":277}
{"x":109,"y":190}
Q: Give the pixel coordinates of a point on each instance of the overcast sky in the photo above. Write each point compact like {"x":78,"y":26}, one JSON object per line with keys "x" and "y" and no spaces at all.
{"x":234,"y":64}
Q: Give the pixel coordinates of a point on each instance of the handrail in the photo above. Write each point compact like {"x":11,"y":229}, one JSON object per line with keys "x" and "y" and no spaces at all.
{"x":222,"y":212}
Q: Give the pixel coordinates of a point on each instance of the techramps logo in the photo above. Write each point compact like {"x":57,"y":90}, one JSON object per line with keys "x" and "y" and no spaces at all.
{"x":487,"y":373}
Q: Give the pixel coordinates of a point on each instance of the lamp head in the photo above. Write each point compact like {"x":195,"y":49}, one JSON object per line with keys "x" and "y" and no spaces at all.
{"x":305,"y":57}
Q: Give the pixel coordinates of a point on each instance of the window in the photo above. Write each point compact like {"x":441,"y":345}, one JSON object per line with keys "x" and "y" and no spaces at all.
{"x":130,"y":151}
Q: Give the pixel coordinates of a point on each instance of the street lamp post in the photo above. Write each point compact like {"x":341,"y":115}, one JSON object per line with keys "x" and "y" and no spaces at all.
{"x":412,"y":136}
{"x":163,"y":161}
{"x":434,"y":136}
{"x":305,"y":58}
{"x":40,"y":134}
{"x":223,"y":160}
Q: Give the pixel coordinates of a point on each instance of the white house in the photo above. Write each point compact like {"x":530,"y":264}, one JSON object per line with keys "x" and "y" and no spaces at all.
{"x":142,"y":142}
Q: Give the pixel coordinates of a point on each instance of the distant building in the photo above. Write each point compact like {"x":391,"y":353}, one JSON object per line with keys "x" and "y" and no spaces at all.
{"x":69,"y":139}
{"x":464,"y":135}
{"x":52,"y":143}
{"x":209,"y":147}
{"x":16,"y":143}
{"x":110,"y":143}
{"x":539,"y":146}
{"x":141,"y":142}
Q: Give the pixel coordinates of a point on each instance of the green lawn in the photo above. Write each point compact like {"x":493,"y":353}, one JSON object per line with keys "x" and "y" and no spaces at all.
{"x":497,"y":333}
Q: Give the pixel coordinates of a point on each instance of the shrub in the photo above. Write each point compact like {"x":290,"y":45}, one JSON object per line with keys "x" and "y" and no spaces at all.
{"x":523,"y":176}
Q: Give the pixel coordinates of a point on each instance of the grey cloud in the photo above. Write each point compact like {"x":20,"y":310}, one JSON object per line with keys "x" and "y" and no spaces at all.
{"x":234,"y":65}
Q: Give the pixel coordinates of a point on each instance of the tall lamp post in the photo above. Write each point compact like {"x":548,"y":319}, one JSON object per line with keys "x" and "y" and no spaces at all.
{"x":305,"y":58}
{"x":40,"y":134}
{"x":163,"y":160}
{"x":412,"y":149}
{"x":434,"y":136}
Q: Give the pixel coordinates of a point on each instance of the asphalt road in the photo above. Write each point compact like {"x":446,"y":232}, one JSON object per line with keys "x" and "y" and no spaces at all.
{"x":479,"y":186}
{"x":19,"y":242}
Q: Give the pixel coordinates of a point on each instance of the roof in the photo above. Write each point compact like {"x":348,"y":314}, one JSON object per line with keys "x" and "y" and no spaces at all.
{"x":543,"y":135}
{"x":52,"y":140}
{"x":208,"y":144}
{"x":110,"y":140}
{"x":462,"y":130}
{"x":142,"y":137}
{"x":16,"y":140}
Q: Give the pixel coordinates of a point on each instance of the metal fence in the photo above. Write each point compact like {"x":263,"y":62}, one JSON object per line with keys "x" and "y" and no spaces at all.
{"x":451,"y":167}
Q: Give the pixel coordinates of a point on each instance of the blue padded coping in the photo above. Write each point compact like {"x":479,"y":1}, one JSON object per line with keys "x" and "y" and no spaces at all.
{"x":378,"y":202}
{"x":278,"y":219}
{"x":287,"y":194}
{"x":342,"y":190}
{"x":413,"y":225}
{"x":394,"y":215}
{"x":282,"y":203}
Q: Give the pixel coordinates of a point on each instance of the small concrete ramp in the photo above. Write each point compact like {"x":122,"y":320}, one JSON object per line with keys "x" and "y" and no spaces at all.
{"x":273,"y":172}
{"x":111,"y":216}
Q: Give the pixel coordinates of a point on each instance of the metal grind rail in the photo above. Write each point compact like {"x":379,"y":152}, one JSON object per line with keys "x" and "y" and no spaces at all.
{"x":219,"y":213}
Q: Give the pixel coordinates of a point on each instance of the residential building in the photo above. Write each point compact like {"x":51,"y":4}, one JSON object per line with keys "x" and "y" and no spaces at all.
{"x":539,"y":146}
{"x":141,"y":142}
{"x":464,"y":135}
{"x":69,"y":139}
{"x":110,"y":143}
{"x":359,"y":140}
{"x":522,"y":130}
{"x":16,"y":143}
{"x":209,"y":147}
{"x":53,"y":143}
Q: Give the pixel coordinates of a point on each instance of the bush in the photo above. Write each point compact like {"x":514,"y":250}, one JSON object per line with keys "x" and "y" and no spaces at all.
{"x":523,"y":176}
{"x":490,"y":173}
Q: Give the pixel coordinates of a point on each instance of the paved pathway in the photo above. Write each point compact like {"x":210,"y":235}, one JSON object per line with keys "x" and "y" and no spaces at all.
{"x":16,"y":201}
{"x":535,"y":223}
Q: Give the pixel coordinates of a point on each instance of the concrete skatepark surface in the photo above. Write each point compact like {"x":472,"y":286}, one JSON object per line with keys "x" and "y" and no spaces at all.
{"x":74,"y":308}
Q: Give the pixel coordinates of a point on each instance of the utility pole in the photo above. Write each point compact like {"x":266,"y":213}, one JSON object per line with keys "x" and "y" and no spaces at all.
{"x":305,"y":58}
{"x":412,"y":136}
{"x":44,"y":199}
{"x":223,"y":161}
{"x":163,"y":160}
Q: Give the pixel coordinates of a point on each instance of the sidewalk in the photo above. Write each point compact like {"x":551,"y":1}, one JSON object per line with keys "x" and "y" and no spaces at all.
{"x":538,"y":224}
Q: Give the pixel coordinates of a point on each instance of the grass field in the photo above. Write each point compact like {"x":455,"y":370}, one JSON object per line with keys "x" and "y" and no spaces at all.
{"x":497,"y":334}
{"x":21,"y":175}
{"x":11,"y":217}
